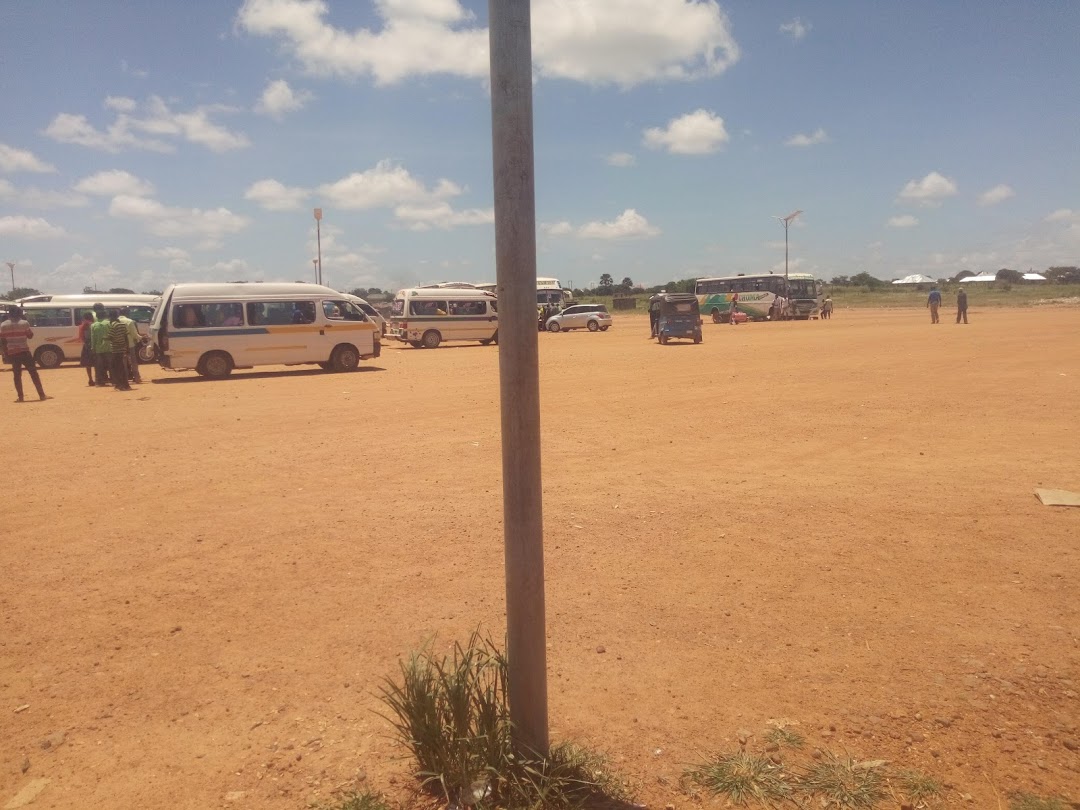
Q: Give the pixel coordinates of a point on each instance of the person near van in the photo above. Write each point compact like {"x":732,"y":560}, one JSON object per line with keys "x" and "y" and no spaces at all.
{"x":734,"y":308}
{"x":99,"y":346}
{"x":133,"y":339}
{"x":86,"y":360}
{"x":933,"y":301}
{"x":961,"y":305}
{"x":654,"y":313}
{"x":15,"y":332}
{"x":118,"y":351}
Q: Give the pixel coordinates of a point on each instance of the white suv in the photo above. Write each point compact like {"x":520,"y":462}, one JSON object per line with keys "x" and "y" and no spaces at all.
{"x":593,"y":317}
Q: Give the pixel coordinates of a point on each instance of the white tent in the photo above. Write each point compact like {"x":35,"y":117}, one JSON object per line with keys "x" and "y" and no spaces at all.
{"x":983,"y":277}
{"x":1034,"y":277}
{"x":918,"y":278}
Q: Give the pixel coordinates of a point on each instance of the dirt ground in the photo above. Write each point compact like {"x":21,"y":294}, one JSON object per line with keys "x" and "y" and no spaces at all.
{"x":829,"y":523}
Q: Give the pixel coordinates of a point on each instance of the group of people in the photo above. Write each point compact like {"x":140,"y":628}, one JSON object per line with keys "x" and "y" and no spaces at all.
{"x":110,"y":348}
{"x":933,"y":303}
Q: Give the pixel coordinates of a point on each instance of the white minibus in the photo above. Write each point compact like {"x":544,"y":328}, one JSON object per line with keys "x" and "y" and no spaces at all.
{"x":424,"y":317}
{"x":370,"y":311}
{"x":214,"y":328}
{"x":56,"y":325}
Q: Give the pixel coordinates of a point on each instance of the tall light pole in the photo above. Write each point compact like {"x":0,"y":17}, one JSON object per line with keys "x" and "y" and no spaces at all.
{"x":318,"y":238}
{"x":510,"y":49}
{"x":11,"y":267}
{"x":315,"y":265}
{"x":787,"y":221}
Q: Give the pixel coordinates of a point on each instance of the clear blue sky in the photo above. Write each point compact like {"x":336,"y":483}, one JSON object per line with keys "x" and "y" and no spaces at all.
{"x":144,"y":143}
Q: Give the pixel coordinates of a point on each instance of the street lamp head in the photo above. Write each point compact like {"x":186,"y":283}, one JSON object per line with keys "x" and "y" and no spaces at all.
{"x":792,"y":216}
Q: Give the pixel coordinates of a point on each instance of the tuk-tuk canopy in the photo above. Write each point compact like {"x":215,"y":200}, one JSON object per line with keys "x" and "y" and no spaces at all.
{"x":678,"y":303}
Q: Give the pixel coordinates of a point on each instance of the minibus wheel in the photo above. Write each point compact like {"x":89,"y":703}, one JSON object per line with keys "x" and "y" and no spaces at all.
{"x":147,"y":353}
{"x":431,"y":339}
{"x":215,"y":365}
{"x":49,"y":356}
{"x":345,"y":358}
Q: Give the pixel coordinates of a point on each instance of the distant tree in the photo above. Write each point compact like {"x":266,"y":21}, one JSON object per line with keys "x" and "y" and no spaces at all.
{"x":152,"y":292}
{"x":864,"y":279}
{"x":840,"y":281}
{"x":21,"y":292}
{"x":962,"y":275}
{"x":1064,"y":275}
{"x":121,"y":291}
{"x":87,"y":290}
{"x":375,"y":291}
{"x":606,"y":285}
{"x":628,"y":283}
{"x":1011,"y":276}
{"x":359,"y":292}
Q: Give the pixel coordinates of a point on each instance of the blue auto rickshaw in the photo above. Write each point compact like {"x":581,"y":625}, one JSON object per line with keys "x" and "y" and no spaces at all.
{"x":680,"y":317}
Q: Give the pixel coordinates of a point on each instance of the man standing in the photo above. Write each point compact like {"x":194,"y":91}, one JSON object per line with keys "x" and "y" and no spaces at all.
{"x":134,"y":339}
{"x":961,"y":305}
{"x":933,"y":301}
{"x":15,"y":333}
{"x":86,"y":360}
{"x":734,"y":309}
{"x":118,"y":349}
{"x":99,"y":345}
{"x":654,"y":313}
{"x":827,"y":307}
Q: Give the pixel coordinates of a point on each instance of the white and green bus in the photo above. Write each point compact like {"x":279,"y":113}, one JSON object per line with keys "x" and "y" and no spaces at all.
{"x":755,"y":294}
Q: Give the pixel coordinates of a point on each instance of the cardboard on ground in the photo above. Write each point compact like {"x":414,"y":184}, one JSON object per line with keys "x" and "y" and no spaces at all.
{"x":1058,"y":497}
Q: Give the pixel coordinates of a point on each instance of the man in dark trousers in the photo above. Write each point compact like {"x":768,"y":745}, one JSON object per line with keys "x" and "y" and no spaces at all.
{"x":15,"y":333}
{"x":961,"y":305}
{"x":654,"y":313}
{"x":118,"y":351}
{"x":933,"y":301}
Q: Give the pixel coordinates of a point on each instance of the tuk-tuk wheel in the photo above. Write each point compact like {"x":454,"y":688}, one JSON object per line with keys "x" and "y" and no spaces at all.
{"x":697,"y":337}
{"x":663,"y":340}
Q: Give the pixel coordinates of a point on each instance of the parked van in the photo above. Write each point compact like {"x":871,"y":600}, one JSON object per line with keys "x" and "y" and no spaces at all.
{"x":214,"y":328}
{"x":56,"y":325}
{"x":424,"y":317}
{"x":370,"y":311}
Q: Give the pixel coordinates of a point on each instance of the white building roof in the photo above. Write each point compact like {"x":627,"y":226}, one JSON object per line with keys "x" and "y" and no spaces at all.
{"x":983,"y":277}
{"x":918,"y":278}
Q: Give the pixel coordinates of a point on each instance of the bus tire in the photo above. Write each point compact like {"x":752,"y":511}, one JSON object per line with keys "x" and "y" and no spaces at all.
{"x":147,"y":353}
{"x":554,"y":326}
{"x":49,"y":356}
{"x":594,"y":326}
{"x":716,"y":316}
{"x":697,"y":337}
{"x":431,"y":339}
{"x":344,"y":358}
{"x":216,"y":365}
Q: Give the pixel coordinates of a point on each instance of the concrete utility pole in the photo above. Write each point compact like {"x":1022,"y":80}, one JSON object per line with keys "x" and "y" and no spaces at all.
{"x":318,"y":237}
{"x":11,"y":267}
{"x":519,"y":370}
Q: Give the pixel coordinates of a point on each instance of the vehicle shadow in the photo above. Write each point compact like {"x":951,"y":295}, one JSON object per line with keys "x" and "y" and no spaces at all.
{"x":441,"y":347}
{"x":259,"y":375}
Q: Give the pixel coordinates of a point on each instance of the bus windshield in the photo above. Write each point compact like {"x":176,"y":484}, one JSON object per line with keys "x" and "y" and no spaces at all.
{"x":801,"y":289}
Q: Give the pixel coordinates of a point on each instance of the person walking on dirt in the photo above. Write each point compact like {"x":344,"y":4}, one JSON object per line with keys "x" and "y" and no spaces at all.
{"x":118,"y":349}
{"x":933,"y":302}
{"x":961,"y":305}
{"x":654,"y":313}
{"x":99,"y":346}
{"x":826,"y":308}
{"x":734,"y":308}
{"x":15,"y":332}
{"x":86,"y":359}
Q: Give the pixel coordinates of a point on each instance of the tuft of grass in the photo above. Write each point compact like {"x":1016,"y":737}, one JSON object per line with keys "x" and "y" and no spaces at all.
{"x":452,"y":714}
{"x":844,"y":783}
{"x":1029,"y":801}
{"x":360,"y":801}
{"x":917,"y":786}
{"x":785,"y":737}
{"x":742,"y":777}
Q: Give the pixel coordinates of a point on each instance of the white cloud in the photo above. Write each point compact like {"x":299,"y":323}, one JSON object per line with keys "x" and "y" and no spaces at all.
{"x":163,"y":220}
{"x":1064,"y":215}
{"x":905,"y":221}
{"x":155,"y":118}
{"x":46,"y":198}
{"x":628,"y":225}
{"x":114,"y":183}
{"x":698,"y":133}
{"x":386,"y":185}
{"x":29,"y":228}
{"x":440,"y":215}
{"x":170,"y":254}
{"x":278,"y":99}
{"x":79,"y":270}
{"x":621,"y":159}
{"x":997,"y":194}
{"x":21,"y":160}
{"x":793,"y":264}
{"x":796,"y":28}
{"x":275,"y":196}
{"x":818,"y":136}
{"x":624,"y":42}
{"x":930,"y":191}
{"x":557,"y":228}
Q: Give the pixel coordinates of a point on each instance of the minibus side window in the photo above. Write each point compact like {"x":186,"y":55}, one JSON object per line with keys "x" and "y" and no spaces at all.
{"x":467,"y":308}
{"x":276,"y":313}
{"x":53,"y":316}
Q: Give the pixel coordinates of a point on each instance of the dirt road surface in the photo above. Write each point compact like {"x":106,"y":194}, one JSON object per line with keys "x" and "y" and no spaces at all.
{"x":829,"y":523}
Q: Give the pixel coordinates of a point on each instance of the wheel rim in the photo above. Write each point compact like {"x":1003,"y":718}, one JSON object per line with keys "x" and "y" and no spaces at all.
{"x":593,"y":326}
{"x":348,"y":359}
{"x":553,"y":327}
{"x":217,"y":366}
{"x":49,"y":358}
{"x":431,"y":340}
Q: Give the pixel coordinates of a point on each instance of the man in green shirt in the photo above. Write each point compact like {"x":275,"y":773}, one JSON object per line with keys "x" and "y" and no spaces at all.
{"x":99,"y":344}
{"x":133,"y":340}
